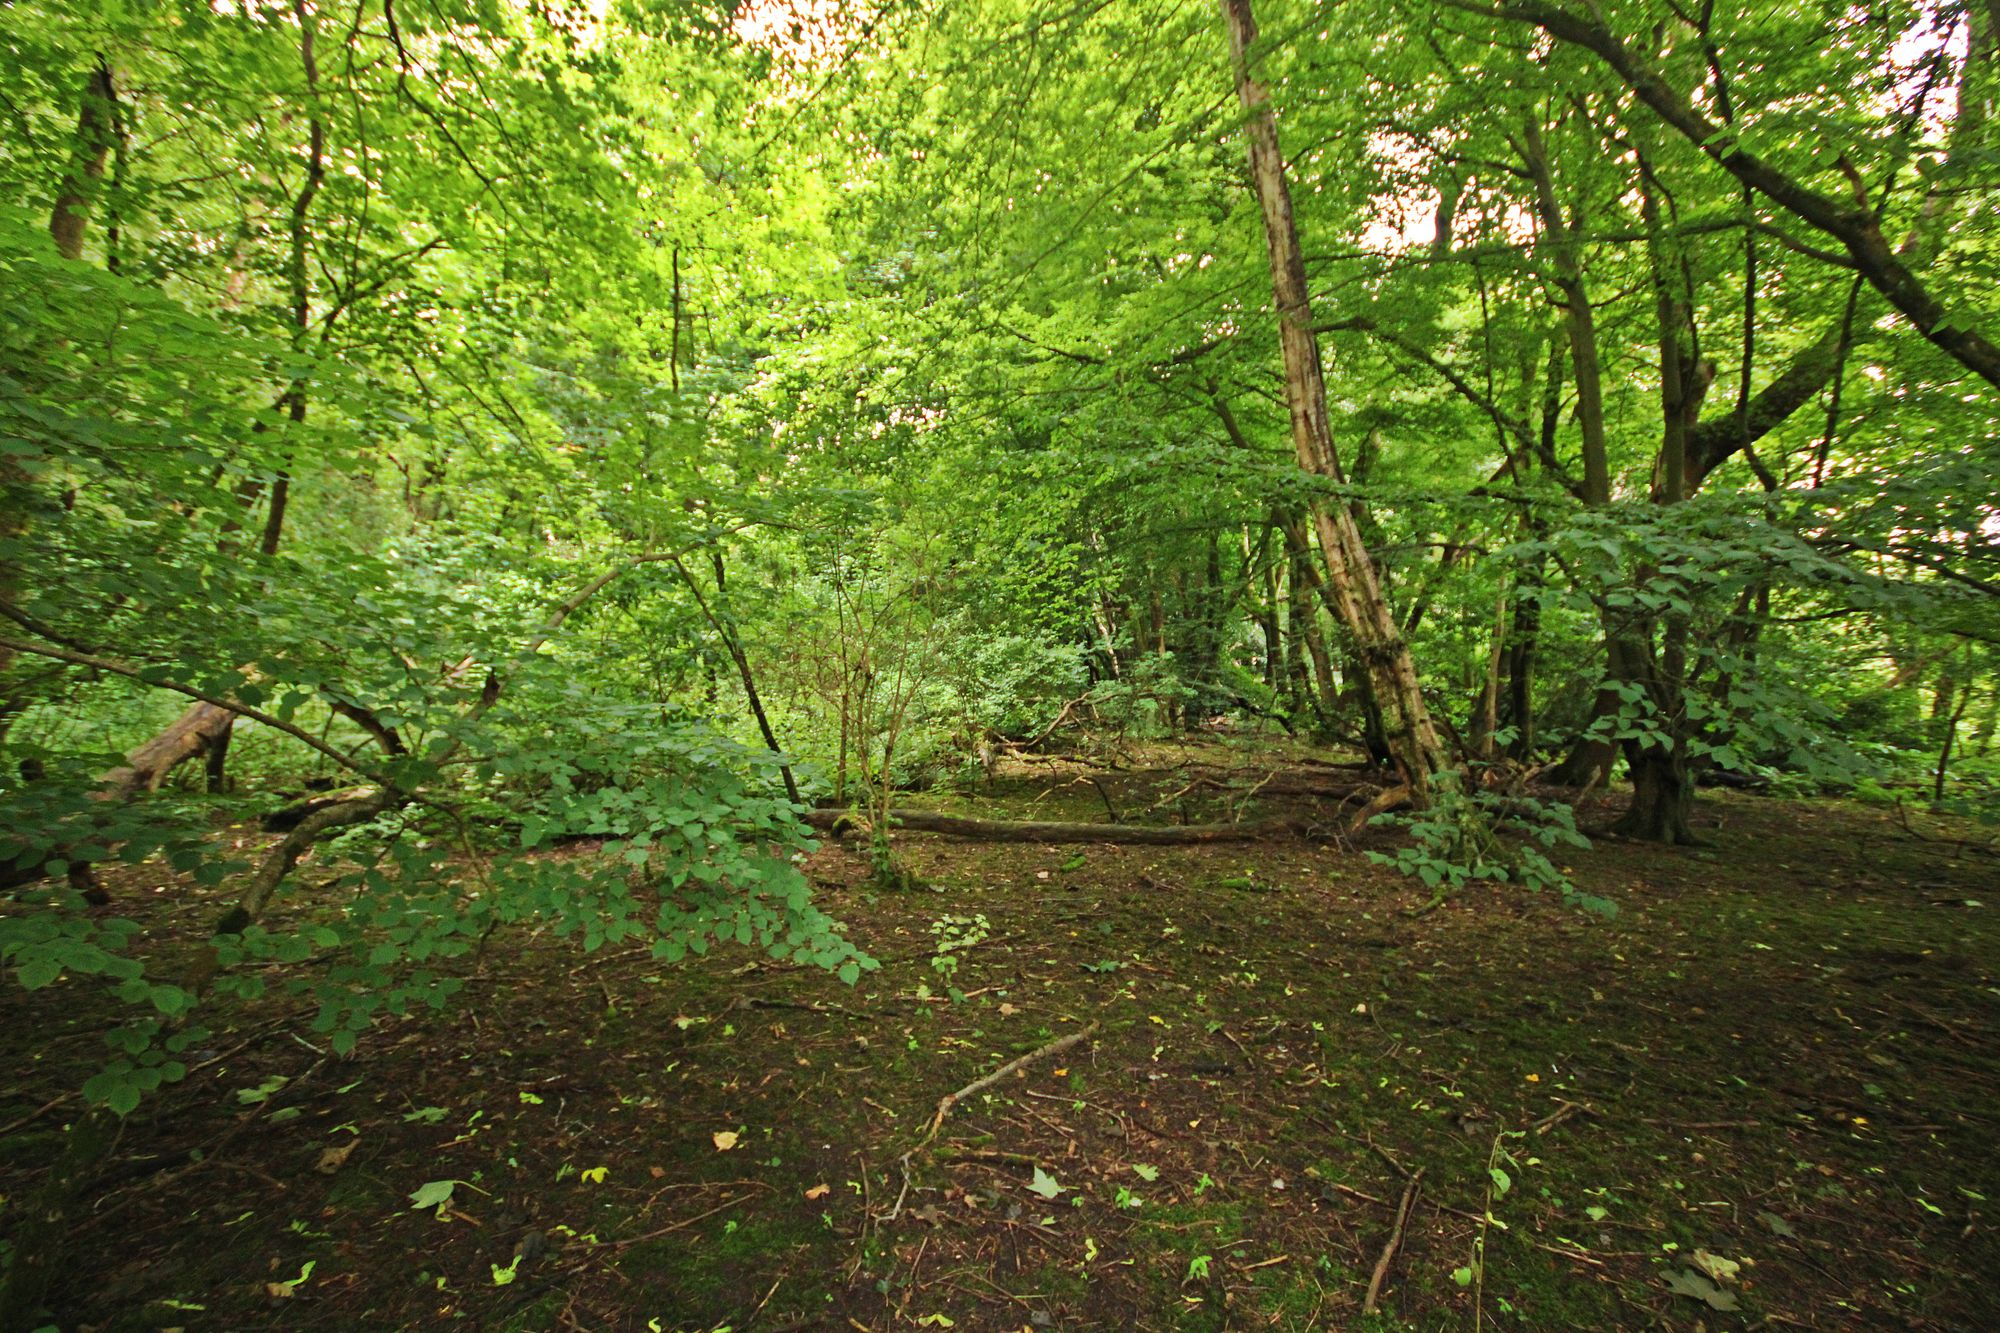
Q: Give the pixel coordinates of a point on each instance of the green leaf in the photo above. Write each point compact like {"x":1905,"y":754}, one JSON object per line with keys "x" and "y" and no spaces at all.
{"x":432,"y":1194}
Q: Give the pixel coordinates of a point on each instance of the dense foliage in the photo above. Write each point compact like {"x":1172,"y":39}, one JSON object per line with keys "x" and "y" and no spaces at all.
{"x":469,"y":429}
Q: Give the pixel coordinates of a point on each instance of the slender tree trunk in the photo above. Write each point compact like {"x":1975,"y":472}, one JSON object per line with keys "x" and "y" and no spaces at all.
{"x":724,"y":626}
{"x":1949,"y":739}
{"x":95,"y":130}
{"x":1487,"y":720}
{"x":1305,"y":621}
{"x":1351,"y":576}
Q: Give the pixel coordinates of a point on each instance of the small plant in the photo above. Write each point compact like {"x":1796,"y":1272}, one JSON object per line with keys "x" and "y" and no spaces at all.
{"x":955,"y":934}
{"x":1464,"y":836}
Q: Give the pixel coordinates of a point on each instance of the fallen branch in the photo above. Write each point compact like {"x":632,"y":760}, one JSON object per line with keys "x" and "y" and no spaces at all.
{"x":682,"y":1225}
{"x":1381,"y":805}
{"x":1394,"y":1243}
{"x":951,"y":1099}
{"x":1562,"y":1112}
{"x":1005,"y":830}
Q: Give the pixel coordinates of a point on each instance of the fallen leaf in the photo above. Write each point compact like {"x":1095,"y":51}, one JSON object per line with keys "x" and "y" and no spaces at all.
{"x":332,"y":1159}
{"x":1717,"y":1267}
{"x":1777,"y":1226}
{"x":1045,"y":1184}
{"x":725,"y":1140}
{"x":1687,"y":1282}
{"x":432,"y":1194}
{"x":656,"y":1171}
{"x":819,"y":1191}
{"x":1008,"y":1011}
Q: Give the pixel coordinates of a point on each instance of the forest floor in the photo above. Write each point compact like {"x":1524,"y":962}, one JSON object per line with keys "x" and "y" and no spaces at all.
{"x":1765,"y":1094}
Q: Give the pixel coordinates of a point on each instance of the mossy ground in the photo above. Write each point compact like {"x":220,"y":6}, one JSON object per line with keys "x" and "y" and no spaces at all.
{"x":1780,"y":1055}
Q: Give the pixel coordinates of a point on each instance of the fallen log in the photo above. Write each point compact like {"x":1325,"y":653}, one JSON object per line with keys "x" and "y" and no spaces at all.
{"x":200,"y":729}
{"x":1007,"y":830}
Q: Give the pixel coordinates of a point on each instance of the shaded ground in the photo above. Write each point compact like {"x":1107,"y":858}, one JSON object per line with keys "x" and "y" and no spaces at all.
{"x":1780,"y":1056}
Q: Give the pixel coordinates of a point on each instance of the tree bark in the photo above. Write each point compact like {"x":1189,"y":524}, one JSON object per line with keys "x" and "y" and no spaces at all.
{"x":95,"y":129}
{"x":1662,"y":787}
{"x":1351,"y":576}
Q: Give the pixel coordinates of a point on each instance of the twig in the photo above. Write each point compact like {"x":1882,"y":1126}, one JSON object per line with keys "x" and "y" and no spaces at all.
{"x":951,"y":1153}
{"x":666,"y":1230}
{"x":1562,"y":1112}
{"x":1394,"y":1243}
{"x":951,"y":1099}
{"x":1262,"y":1263}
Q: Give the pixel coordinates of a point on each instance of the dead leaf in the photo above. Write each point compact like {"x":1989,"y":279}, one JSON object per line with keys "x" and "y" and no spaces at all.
{"x":1717,"y":1267}
{"x":819,"y":1191}
{"x":1777,"y":1226}
{"x":332,"y":1159}
{"x":1008,"y":1011}
{"x":725,"y":1140}
{"x":1687,"y":1282}
{"x":656,"y":1171}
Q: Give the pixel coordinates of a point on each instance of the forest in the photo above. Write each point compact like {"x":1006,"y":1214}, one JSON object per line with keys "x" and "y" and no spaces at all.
{"x":699,"y":665}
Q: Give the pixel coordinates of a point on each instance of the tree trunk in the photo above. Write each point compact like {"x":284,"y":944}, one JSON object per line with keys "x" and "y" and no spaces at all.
{"x":95,"y":120}
{"x":1385,"y":658}
{"x":1662,"y":797}
{"x":194,"y":732}
{"x":1487,"y":719}
{"x":1662,"y":787}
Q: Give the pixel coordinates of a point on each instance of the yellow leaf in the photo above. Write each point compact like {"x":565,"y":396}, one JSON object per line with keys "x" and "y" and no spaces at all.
{"x":725,"y":1140}
{"x":595,"y":1175}
{"x":332,"y":1159}
{"x":819,"y":1191}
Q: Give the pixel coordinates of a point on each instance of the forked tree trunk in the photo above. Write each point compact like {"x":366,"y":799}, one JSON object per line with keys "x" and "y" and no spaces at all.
{"x":1357,"y":594}
{"x":1662,"y":786}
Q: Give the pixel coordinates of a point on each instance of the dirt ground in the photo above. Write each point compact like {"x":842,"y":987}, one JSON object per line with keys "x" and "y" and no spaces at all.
{"x":1764,"y":1095}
